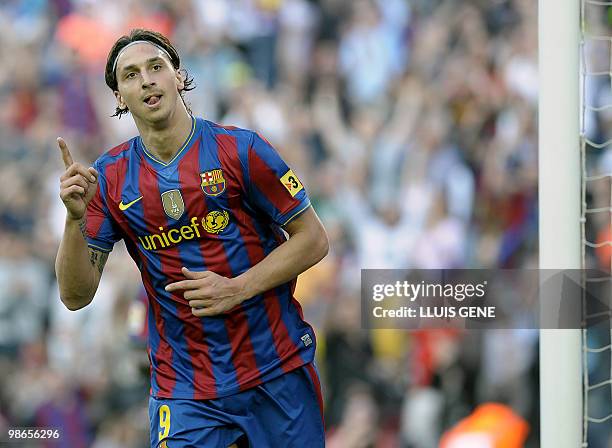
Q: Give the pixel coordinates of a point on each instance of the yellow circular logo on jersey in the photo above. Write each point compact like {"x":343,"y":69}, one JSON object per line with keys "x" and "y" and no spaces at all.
{"x":216,"y":221}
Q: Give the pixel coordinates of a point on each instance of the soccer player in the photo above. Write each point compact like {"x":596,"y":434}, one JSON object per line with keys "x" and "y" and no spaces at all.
{"x":201,"y":208}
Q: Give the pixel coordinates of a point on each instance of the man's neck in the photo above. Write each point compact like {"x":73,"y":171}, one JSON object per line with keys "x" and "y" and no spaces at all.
{"x":165,"y":141}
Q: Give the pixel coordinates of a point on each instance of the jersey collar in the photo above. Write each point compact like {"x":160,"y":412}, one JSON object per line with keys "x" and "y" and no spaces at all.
{"x":179,"y":153}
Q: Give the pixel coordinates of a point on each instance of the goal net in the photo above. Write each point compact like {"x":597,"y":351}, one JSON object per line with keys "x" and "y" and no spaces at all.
{"x":596,"y":212}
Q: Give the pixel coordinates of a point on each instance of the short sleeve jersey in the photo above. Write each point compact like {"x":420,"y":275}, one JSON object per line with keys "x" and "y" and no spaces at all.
{"x":218,"y":205}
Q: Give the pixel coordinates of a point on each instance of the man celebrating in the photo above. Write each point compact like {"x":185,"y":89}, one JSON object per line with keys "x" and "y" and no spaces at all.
{"x":200,"y":208}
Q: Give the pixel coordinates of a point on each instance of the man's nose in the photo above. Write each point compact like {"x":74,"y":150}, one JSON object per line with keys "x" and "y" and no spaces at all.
{"x":147,"y":80}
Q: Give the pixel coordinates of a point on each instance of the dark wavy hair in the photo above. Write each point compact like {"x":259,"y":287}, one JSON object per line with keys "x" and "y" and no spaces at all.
{"x":156,"y":38}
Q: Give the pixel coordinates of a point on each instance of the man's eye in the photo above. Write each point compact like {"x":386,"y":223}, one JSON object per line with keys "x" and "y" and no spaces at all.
{"x":157,"y":67}
{"x":130,"y":75}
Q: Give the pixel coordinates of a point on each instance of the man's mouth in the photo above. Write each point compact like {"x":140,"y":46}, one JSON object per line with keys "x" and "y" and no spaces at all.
{"x":152,"y":100}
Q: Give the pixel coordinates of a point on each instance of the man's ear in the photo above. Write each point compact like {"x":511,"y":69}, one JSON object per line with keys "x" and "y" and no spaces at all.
{"x":180,"y":80}
{"x":120,"y":103}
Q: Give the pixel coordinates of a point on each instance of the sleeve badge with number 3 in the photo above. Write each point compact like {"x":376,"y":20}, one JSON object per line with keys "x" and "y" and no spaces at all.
{"x":291,"y":183}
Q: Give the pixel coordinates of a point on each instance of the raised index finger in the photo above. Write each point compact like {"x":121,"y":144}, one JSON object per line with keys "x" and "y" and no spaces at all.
{"x":66,"y":157}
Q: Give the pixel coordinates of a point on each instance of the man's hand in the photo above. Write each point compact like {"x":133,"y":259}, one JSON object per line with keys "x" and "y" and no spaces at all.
{"x":77,"y":185}
{"x":210,"y":294}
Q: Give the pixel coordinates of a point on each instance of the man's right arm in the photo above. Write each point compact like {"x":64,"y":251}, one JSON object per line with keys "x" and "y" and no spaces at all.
{"x":77,"y":266}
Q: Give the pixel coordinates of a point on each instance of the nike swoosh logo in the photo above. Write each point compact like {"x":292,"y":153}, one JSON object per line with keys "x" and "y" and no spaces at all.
{"x":123,"y":207}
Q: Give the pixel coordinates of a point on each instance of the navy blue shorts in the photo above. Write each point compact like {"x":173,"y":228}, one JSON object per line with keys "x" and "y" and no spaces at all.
{"x":285,"y":411}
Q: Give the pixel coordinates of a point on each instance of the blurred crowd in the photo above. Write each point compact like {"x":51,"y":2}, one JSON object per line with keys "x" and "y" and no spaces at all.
{"x":412,"y":124}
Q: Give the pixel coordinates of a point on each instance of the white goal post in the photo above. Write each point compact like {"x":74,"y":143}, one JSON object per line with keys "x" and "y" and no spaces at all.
{"x":559,"y":212}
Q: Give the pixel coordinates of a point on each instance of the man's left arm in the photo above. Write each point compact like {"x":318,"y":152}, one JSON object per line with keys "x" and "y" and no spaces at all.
{"x":210,"y":294}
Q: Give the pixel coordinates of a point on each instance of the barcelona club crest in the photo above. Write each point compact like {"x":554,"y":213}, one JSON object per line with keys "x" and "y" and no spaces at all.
{"x":173,"y":203}
{"x":213,"y":182}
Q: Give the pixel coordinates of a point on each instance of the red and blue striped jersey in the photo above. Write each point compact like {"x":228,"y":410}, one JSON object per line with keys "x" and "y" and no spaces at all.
{"x":218,"y":205}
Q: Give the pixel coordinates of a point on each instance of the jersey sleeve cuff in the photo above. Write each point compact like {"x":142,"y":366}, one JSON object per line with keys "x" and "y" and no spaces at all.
{"x":294,"y":213}
{"x":99,"y":245}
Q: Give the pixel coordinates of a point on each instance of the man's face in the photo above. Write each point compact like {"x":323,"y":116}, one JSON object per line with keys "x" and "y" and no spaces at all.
{"x":148,"y":85}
